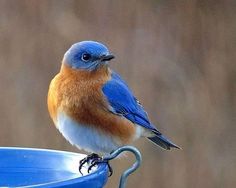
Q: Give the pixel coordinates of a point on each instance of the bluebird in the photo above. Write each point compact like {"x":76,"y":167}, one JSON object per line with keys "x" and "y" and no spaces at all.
{"x":93,"y":107}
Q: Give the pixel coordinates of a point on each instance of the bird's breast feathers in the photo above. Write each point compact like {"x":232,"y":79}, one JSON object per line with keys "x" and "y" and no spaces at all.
{"x":78,"y":94}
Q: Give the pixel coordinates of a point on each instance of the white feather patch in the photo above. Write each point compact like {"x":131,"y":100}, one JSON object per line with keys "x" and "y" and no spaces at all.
{"x":85,"y":137}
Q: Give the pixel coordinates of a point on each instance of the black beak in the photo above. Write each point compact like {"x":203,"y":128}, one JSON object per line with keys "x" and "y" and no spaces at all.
{"x":107,"y":57}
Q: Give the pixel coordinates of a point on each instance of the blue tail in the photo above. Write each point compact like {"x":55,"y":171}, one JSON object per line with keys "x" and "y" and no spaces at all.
{"x":162,"y":141}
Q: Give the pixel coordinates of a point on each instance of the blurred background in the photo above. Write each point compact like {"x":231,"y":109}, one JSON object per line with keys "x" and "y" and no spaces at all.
{"x":177,"y":56}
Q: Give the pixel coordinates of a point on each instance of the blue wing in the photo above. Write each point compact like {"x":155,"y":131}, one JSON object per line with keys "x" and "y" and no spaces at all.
{"x":123,"y":103}
{"x":121,"y":99}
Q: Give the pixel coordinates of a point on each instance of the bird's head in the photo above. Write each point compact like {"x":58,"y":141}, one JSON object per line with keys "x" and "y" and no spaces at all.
{"x":87,"y":55}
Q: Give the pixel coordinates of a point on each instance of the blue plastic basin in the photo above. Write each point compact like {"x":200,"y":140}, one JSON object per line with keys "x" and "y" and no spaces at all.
{"x":46,"y":168}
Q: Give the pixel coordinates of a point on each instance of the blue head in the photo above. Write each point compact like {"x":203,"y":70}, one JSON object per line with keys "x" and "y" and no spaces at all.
{"x":87,"y":55}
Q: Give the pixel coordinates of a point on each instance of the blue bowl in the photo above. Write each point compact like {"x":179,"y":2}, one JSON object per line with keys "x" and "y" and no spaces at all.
{"x":47,"y":168}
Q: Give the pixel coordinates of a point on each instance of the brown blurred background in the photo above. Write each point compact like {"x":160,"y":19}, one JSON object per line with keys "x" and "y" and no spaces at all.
{"x":178,"y":57}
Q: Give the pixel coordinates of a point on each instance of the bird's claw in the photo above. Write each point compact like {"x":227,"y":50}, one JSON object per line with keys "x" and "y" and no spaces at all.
{"x":93,"y":160}
{"x":99,"y":161}
{"x":89,"y":159}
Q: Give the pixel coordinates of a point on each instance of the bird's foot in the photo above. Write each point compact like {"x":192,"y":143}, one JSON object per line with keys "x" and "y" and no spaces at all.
{"x":93,"y":160}
{"x":89,"y":159}
{"x":99,"y":161}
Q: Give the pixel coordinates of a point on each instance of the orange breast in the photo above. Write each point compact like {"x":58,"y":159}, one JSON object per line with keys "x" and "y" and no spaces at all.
{"x":78,"y":94}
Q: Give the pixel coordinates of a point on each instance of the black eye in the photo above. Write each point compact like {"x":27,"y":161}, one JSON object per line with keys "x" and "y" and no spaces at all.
{"x":86,"y":57}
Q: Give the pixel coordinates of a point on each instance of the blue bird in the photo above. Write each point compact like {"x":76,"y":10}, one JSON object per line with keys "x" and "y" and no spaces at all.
{"x":93,"y":107}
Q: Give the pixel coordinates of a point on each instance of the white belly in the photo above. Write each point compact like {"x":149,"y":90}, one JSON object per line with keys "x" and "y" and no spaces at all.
{"x":85,"y":137}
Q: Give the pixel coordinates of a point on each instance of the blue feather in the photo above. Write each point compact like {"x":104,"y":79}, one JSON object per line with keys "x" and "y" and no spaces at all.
{"x":123,"y":102}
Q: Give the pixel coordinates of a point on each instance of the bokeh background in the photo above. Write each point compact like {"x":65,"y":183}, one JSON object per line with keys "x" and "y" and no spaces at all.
{"x":177,"y":56}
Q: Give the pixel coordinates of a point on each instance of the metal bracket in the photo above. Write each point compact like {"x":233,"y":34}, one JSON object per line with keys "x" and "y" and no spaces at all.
{"x":130,"y":170}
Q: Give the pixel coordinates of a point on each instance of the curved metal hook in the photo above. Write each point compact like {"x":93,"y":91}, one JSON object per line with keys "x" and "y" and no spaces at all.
{"x":134,"y":167}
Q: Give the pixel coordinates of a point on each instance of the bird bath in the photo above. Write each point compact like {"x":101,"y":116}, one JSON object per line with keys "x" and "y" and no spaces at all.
{"x":25,"y":167}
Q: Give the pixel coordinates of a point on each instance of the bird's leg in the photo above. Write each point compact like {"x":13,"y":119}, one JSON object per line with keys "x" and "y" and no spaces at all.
{"x":93,"y":160}
{"x":99,"y":161}
{"x":90,"y":158}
